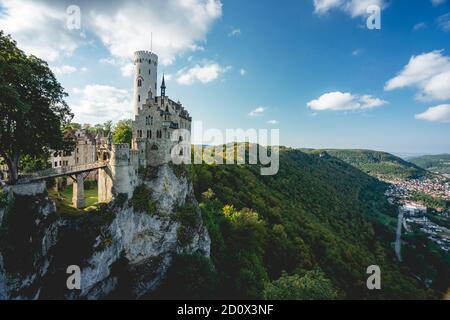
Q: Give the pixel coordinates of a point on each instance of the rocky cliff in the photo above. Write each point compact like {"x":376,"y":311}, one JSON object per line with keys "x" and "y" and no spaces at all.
{"x":123,"y":249}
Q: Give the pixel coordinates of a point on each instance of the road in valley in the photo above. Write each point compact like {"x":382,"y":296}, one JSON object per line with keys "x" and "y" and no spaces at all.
{"x":399,"y":235}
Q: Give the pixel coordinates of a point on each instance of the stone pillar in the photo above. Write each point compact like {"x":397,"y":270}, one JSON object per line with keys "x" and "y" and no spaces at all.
{"x":104,"y":185}
{"x":78,"y":192}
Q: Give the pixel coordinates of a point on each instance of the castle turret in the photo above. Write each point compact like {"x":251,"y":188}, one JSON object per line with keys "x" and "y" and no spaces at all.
{"x":145,"y":78}
{"x":163,"y":87}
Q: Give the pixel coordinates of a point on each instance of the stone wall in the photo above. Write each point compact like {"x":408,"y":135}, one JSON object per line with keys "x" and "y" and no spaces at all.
{"x":28,"y":189}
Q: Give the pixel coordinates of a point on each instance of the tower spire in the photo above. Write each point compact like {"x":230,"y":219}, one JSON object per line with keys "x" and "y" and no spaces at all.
{"x":163,"y":87}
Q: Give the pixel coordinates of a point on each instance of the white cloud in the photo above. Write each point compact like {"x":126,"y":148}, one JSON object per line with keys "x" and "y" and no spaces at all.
{"x":110,"y":61}
{"x":204,"y":73}
{"x":439,"y":113}
{"x":273,"y":122}
{"x":323,"y":6}
{"x":357,"y":52}
{"x":345,"y":101}
{"x":123,"y":27}
{"x":429,"y":72}
{"x":257,"y":112}
{"x":125,"y":66}
{"x":64,"y":70}
{"x":444,"y":22}
{"x":243,"y":72}
{"x":39,"y":28}
{"x":437,"y":2}
{"x":419,"y":26}
{"x":99,"y":103}
{"x":127,"y":69}
{"x":177,"y":26}
{"x":356,"y":8}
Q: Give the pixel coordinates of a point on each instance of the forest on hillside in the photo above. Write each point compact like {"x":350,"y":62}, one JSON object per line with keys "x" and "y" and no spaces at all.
{"x":376,"y":163}
{"x":434,"y":163}
{"x":310,"y":232}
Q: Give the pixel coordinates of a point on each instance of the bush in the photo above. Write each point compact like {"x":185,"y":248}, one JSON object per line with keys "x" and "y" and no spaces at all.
{"x":312,"y":286}
{"x":187,"y":216}
{"x":121,"y":199}
{"x":142,"y":200}
{"x":189,"y":277}
{"x":3,"y":199}
{"x":178,"y":169}
{"x":106,"y":241}
{"x":184,"y":236}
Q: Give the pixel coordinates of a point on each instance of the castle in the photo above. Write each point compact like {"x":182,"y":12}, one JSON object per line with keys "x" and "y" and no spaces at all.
{"x":155,"y":120}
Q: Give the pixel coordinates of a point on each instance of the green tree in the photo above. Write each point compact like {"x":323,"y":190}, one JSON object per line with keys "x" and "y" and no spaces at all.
{"x":72,"y":126}
{"x":31,"y":164}
{"x":123,"y":132}
{"x":312,"y":286}
{"x":190,"y":277}
{"x":32,"y":107}
{"x":107,"y":127}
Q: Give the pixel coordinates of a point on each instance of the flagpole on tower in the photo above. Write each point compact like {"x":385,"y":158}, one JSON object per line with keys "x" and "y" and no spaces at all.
{"x":151,"y":42}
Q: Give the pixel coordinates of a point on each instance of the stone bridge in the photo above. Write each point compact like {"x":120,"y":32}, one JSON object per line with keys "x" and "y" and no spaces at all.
{"x":75,"y":172}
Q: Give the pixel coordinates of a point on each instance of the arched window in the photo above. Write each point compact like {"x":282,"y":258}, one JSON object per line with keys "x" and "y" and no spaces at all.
{"x":139,"y":98}
{"x":139,"y":83}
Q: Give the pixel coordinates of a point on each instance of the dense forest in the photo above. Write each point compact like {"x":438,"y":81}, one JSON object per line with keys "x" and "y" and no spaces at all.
{"x":376,"y":163}
{"x":309,"y":232}
{"x":436,"y":163}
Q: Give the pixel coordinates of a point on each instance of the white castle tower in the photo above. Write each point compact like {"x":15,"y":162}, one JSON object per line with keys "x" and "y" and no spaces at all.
{"x":160,"y":129}
{"x":146,"y":75}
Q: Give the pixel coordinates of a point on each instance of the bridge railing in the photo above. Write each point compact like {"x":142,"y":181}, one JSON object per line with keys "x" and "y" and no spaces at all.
{"x":60,"y":171}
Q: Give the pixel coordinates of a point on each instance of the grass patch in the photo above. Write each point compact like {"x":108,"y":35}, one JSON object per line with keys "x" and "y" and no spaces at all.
{"x":63,"y":200}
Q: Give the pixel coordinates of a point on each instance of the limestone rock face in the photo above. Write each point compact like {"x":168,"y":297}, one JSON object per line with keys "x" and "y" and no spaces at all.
{"x":122,"y":252}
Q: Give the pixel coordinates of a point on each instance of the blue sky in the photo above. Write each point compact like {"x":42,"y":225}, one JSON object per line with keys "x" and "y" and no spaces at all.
{"x":310,"y":68}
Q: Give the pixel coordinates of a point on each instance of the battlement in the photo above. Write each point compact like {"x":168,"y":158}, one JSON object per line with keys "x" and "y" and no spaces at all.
{"x":142,"y":56}
{"x":120,"y":146}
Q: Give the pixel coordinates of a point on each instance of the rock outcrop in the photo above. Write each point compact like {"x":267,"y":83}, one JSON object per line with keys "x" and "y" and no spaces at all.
{"x":123,"y":249}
